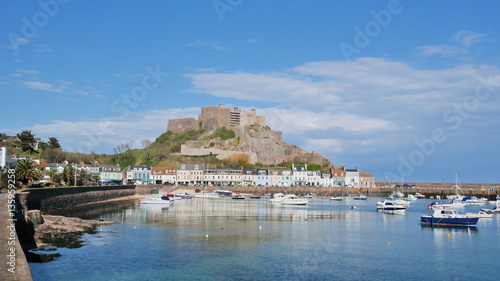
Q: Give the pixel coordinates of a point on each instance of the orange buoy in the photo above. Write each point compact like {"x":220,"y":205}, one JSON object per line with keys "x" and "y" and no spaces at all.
{"x":222,"y":228}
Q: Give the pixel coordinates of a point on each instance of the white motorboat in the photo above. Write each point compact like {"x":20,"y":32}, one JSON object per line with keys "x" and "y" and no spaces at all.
{"x":208,"y":195}
{"x":402,"y":202}
{"x":157,"y":199}
{"x":410,"y":197}
{"x":473,"y":201}
{"x":481,"y":214}
{"x":291,"y":199}
{"x":277,"y":198}
{"x":397,"y":194}
{"x":419,"y":195}
{"x":338,"y":198}
{"x":391,"y":207}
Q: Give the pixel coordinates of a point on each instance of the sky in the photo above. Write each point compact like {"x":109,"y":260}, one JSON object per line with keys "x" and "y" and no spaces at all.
{"x":402,"y":89}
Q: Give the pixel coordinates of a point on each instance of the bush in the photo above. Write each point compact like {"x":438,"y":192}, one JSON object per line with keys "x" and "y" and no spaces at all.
{"x":224,"y":133}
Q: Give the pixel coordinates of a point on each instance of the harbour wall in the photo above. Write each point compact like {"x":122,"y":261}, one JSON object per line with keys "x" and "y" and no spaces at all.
{"x":21,"y":270}
{"x":344,"y":191}
{"x":45,"y":199}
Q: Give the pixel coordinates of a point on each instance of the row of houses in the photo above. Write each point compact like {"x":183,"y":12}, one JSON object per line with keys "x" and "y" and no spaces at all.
{"x":198,"y":174}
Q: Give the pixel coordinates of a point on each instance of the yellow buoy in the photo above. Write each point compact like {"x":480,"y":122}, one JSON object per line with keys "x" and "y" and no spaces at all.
{"x":388,"y":243}
{"x":449,"y":235}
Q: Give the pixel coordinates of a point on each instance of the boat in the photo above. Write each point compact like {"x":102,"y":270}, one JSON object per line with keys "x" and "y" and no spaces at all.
{"x":480,"y":214}
{"x":208,"y":195}
{"x":410,"y":197}
{"x":277,"y":198}
{"x":157,"y":199}
{"x":447,"y":215}
{"x":291,"y":199}
{"x":254,"y":196}
{"x":389,"y":206}
{"x":419,"y":195}
{"x":432,"y":205}
{"x":473,"y":201}
{"x":397,"y":194}
{"x":457,"y":204}
{"x":360,"y":197}
{"x":402,"y":202}
{"x":184,"y":195}
{"x":338,"y":198}
{"x":494,"y":211}
{"x":224,"y":192}
{"x":238,"y":197}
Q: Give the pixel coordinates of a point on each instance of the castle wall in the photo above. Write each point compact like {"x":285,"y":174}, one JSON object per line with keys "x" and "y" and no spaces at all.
{"x":218,"y":112}
{"x":182,"y":125}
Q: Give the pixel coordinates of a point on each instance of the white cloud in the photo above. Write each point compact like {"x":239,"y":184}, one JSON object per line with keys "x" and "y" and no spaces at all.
{"x":101,"y":135}
{"x":330,"y":145}
{"x":443,"y":50}
{"x":211,"y":45}
{"x":469,"y":38}
{"x":28,"y":71}
{"x":42,"y":87}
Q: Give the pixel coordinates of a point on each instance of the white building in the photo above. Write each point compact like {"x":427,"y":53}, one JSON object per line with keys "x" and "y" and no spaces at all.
{"x":352,"y":177}
{"x":299,"y":175}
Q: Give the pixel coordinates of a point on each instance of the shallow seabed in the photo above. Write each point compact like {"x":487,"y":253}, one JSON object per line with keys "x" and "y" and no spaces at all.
{"x":224,"y":239}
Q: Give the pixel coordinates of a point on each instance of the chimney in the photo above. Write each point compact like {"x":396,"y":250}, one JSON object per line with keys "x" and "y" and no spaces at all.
{"x":221,"y":105}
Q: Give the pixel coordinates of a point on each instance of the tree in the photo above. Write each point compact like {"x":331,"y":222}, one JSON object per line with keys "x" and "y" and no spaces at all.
{"x":68,"y":175}
{"x":26,"y":172}
{"x":53,"y":155}
{"x":27,"y":141}
{"x":240,"y":159}
{"x":146,"y":149}
{"x":53,"y":143}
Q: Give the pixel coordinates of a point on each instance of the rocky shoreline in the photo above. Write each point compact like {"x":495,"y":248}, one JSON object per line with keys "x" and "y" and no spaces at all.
{"x":47,"y":231}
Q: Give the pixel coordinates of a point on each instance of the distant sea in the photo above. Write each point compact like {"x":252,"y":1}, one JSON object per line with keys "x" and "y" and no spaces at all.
{"x":225,"y":239}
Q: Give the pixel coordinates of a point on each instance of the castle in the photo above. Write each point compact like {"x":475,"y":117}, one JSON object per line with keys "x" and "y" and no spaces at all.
{"x":254,"y":138}
{"x":215,"y":117}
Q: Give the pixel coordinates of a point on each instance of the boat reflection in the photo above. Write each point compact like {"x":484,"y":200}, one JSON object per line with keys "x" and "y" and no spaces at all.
{"x":449,"y":229}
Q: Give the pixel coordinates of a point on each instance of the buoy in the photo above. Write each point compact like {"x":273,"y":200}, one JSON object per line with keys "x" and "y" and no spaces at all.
{"x":134,"y":227}
{"x":207,"y":235}
{"x":449,"y":235}
{"x":388,"y":243}
{"x":260,"y":227}
{"x":222,"y":228}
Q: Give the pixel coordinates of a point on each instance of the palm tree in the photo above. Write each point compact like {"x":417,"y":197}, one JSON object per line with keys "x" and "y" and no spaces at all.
{"x":26,"y":172}
{"x":68,"y":174}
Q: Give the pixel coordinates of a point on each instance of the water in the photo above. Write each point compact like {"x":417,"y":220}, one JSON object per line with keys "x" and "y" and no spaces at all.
{"x":323,"y":241}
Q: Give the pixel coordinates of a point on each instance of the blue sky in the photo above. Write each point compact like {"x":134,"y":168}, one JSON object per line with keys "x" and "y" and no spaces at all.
{"x":396,"y":87}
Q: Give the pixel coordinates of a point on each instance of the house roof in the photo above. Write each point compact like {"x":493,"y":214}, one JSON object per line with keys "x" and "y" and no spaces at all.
{"x":339,"y":173}
{"x":299,"y":169}
{"x":365,"y":175}
{"x":190,"y":166}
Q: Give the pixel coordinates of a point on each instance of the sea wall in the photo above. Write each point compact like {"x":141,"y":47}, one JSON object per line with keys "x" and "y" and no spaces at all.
{"x":45,"y":199}
{"x":19,"y":269}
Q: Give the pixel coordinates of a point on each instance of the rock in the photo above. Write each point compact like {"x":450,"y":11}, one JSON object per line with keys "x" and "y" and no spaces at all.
{"x":35,"y":217}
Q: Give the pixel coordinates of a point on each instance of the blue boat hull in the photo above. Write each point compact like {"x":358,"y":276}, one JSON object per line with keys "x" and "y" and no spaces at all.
{"x":429,"y":220}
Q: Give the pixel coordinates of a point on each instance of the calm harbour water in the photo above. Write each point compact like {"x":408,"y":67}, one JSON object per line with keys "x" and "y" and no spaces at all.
{"x":325,"y":240}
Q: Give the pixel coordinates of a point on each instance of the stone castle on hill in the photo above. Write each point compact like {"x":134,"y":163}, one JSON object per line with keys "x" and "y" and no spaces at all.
{"x":252,"y":137}
{"x":214,"y":117}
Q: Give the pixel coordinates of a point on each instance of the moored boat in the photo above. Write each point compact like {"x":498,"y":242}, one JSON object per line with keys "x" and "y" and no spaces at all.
{"x":291,"y":199}
{"x":338,"y":198}
{"x":480,"y":214}
{"x":157,"y":199}
{"x":277,"y":198}
{"x":208,"y":195}
{"x":494,"y":211}
{"x":419,"y":195}
{"x":361,"y":197}
{"x":447,"y":215}
{"x":184,"y":195}
{"x":391,"y":207}
{"x":224,"y":192}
